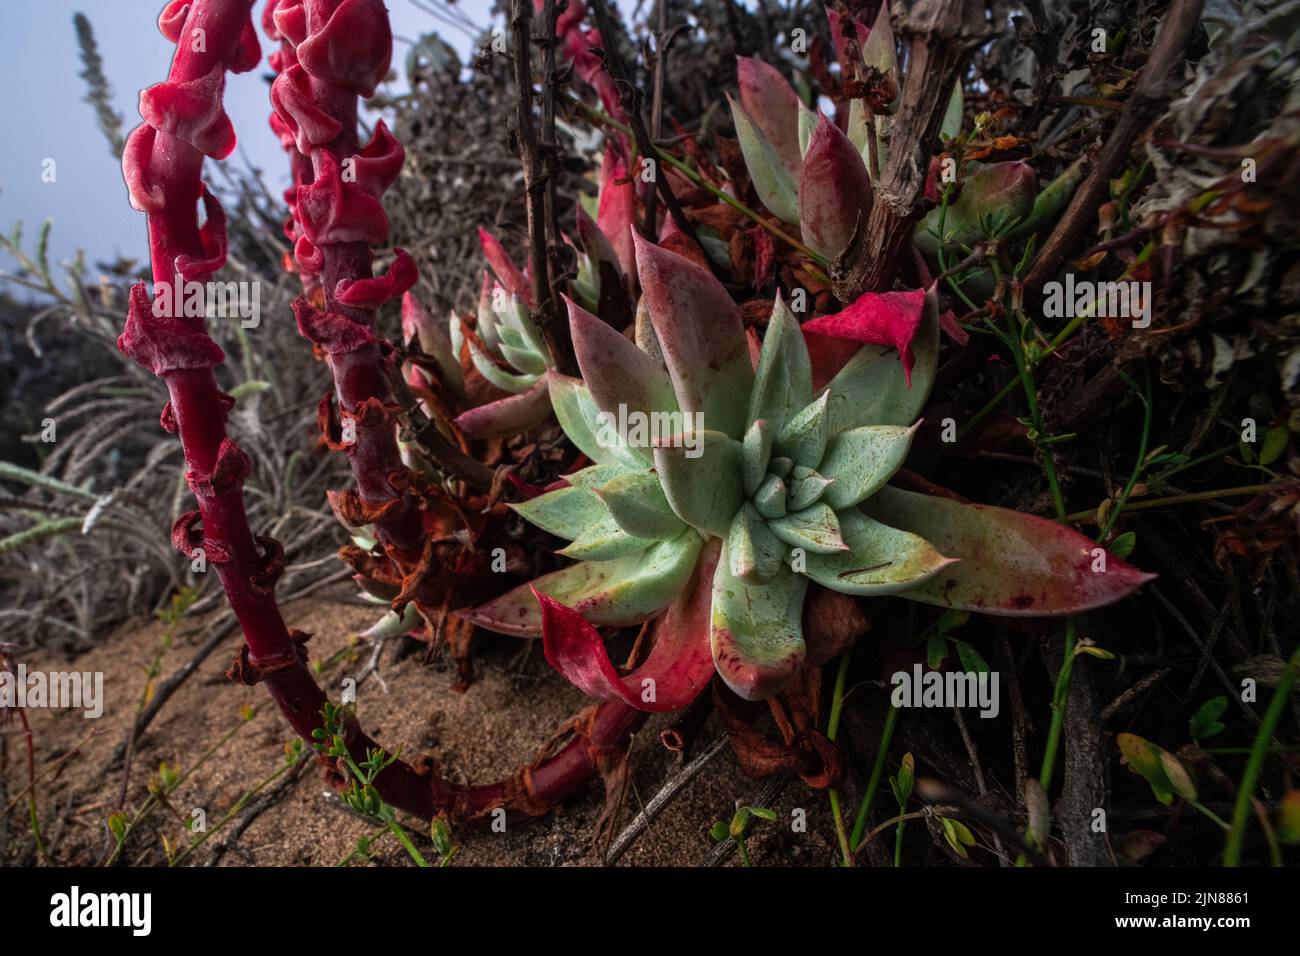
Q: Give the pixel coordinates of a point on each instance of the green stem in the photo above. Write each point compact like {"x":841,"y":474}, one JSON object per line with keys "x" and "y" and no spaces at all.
{"x":1031,"y":398}
{"x":1148,"y":403}
{"x":237,"y":808}
{"x":396,"y":829}
{"x":1060,"y":697}
{"x":377,"y":835}
{"x":153,"y":802}
{"x":1219,"y":821}
{"x":1209,"y":456}
{"x":1255,"y":763}
{"x":942,"y":254}
{"x":877,"y":771}
{"x":832,"y":728}
{"x":1183,"y":499}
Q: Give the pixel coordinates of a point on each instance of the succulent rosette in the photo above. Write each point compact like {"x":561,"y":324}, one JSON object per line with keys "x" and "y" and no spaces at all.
{"x":505,"y":344}
{"x":722,"y":488}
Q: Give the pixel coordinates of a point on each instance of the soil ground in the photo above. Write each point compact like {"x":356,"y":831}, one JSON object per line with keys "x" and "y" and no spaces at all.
{"x":510,"y":711}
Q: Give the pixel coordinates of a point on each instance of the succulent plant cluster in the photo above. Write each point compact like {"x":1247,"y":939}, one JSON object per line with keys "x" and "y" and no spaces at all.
{"x":789,"y":481}
{"x":505,"y":347}
{"x":497,"y":364}
{"x":734,"y":464}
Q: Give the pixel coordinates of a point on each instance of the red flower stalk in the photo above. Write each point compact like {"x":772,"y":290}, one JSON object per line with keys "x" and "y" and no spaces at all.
{"x":299,"y":165}
{"x":341,"y":50}
{"x":162,"y":165}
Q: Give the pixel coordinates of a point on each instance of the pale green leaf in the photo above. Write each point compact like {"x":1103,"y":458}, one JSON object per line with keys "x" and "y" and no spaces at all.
{"x":637,"y":503}
{"x":703,"y":482}
{"x":879,"y":560}
{"x":815,"y":529}
{"x":803,"y":440}
{"x":757,"y":631}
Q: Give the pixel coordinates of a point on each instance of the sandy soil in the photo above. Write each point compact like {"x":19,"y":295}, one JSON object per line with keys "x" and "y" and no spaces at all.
{"x":480,"y":735}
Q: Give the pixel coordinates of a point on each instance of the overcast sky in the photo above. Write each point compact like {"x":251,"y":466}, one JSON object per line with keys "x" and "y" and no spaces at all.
{"x":44,"y":116}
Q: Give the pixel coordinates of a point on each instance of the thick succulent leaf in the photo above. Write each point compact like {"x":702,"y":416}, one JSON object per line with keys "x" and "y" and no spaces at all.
{"x":593,"y":476}
{"x":754,"y":552}
{"x":880,"y":559}
{"x":601,"y":285}
{"x":580,"y":516}
{"x":508,"y":416}
{"x":624,"y":591}
{"x":616,"y":211}
{"x":702,"y":338}
{"x":880,"y":55}
{"x":1009,"y":563}
{"x":774,"y":107}
{"x":755,"y":452}
{"x":457,"y":336}
{"x":647,"y":340}
{"x":517,"y":318}
{"x":776,"y":187}
{"x":803,"y":440}
{"x":393,"y":624}
{"x":834,"y":192}
{"x":857,"y":131}
{"x":435,"y":340}
{"x":952,"y":116}
{"x":780,"y":466}
{"x":638,"y":504}
{"x":619,"y":376}
{"x":510,"y":337}
{"x":862,"y":460}
{"x":510,"y":275}
{"x":565,"y":513}
{"x":705,"y":491}
{"x":490,"y":292}
{"x":678,"y":668}
{"x":524,"y":359}
{"x":604,"y":541}
{"x":487,"y":326}
{"x":578,"y":416}
{"x":816,"y":529}
{"x":770,"y":499}
{"x":806,"y":486}
{"x":807,"y":123}
{"x":506,"y":381}
{"x":595,"y":243}
{"x":1051,"y":199}
{"x":783,"y":379}
{"x":872,"y":388}
{"x":757,"y":631}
